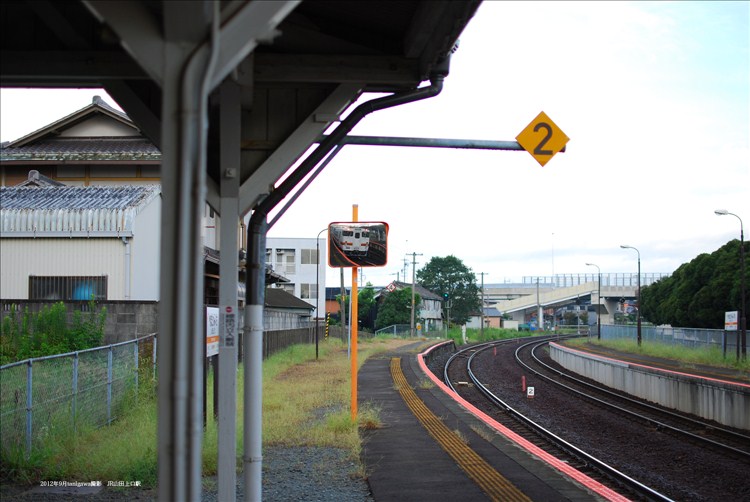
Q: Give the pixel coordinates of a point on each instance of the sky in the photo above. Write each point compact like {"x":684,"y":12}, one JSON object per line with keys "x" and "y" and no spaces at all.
{"x":654,"y":96}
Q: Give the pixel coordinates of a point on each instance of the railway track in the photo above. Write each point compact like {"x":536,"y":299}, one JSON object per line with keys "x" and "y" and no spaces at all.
{"x":470,"y":373}
{"x":701,"y":432}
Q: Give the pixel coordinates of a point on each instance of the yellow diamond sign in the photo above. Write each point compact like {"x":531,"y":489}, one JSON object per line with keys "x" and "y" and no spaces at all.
{"x":542,"y":138}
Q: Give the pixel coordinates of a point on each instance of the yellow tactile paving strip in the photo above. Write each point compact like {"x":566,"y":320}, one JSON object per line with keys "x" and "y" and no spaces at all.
{"x":489,"y":480}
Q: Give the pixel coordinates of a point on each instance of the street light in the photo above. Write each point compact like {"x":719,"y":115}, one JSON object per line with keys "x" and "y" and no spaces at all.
{"x":743,"y":318}
{"x":317,"y":289}
{"x":639,"y":290}
{"x":599,"y":296}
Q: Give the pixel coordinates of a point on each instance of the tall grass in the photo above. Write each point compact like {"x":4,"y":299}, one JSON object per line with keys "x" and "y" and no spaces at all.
{"x":710,"y":356}
{"x":474,"y":335}
{"x":305,"y":402}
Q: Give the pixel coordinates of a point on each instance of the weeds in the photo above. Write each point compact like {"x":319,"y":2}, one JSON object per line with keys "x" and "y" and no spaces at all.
{"x":36,"y":334}
{"x":306,"y":402}
{"x":710,"y":356}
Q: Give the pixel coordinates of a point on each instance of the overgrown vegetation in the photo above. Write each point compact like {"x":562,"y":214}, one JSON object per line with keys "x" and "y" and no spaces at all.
{"x":698,"y":293}
{"x":36,"y":334}
{"x":306,"y":402}
{"x":396,"y":308}
{"x":475,"y":335}
{"x":704,"y":355}
{"x":450,"y":278}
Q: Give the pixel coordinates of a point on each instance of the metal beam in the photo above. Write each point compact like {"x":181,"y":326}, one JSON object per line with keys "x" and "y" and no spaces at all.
{"x":259,"y":183}
{"x":77,"y":68}
{"x":138,"y":30}
{"x":296,"y":68}
{"x":470,"y":144}
{"x":54,"y":20}
{"x":100,"y":66}
{"x":137,"y":110}
{"x":240,"y":34}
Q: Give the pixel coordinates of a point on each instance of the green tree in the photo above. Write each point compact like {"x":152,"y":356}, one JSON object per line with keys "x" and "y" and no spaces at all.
{"x":365,"y":306}
{"x":396,"y":308}
{"x":698,"y":293}
{"x":450,"y":275}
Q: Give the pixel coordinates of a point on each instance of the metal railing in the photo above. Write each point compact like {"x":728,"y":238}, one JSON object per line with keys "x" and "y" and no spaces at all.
{"x":689,"y":337}
{"x":608,"y":279}
{"x":68,"y":391}
{"x":395,"y":330}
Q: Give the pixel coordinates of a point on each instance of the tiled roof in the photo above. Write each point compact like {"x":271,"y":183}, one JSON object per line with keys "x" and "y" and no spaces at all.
{"x":69,"y":211}
{"x":83,"y":149}
{"x":36,"y":179}
{"x":276,"y":297}
{"x":424,"y":293}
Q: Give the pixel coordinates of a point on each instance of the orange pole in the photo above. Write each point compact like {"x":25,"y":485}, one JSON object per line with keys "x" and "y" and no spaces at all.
{"x":354,"y":322}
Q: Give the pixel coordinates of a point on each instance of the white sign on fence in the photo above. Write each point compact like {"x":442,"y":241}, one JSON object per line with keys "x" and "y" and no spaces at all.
{"x":212,"y":331}
{"x":730,"y":321}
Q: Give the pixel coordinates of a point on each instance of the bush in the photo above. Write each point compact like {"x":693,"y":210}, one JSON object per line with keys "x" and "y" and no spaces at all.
{"x":27,"y":334}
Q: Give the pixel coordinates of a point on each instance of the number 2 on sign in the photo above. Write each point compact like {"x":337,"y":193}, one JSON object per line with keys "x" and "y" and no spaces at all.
{"x":542,"y":138}
{"x":538,"y":150}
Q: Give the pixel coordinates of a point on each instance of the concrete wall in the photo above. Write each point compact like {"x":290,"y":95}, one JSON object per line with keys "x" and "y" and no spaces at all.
{"x":724,"y":402}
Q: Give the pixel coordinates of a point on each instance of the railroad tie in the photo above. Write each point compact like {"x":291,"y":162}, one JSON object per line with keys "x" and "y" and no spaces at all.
{"x":489,"y":480}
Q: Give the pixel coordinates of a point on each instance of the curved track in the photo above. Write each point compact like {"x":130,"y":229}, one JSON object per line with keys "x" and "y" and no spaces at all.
{"x":706,"y":434}
{"x":473,"y":373}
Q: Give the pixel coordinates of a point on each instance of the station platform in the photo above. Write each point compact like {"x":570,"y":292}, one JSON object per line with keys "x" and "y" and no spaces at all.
{"x":431,"y":448}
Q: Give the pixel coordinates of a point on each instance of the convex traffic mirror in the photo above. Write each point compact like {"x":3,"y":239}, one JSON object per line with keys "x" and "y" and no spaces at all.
{"x":357,"y":244}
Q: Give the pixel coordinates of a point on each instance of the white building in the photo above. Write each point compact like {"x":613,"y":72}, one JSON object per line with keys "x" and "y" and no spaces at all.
{"x":297,"y":260}
{"x":69,"y":243}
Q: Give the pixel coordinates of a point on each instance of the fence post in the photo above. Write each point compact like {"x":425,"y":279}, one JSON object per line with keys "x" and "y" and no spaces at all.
{"x":75,"y":391}
{"x":29,"y":378}
{"x":135,"y":350}
{"x":109,"y":385}
{"x":153,"y":357}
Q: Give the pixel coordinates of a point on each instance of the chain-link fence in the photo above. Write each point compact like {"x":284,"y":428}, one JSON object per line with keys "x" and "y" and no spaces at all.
{"x":68,"y":391}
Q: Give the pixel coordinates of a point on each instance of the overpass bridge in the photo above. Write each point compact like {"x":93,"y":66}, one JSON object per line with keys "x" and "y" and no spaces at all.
{"x":534,"y":293}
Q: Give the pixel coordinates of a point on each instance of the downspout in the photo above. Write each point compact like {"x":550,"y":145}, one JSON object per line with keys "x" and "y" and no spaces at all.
{"x":126,"y":268}
{"x":180,"y":428}
{"x":255,"y":290}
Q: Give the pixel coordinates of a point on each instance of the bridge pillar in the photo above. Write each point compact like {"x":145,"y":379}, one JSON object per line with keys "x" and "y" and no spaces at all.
{"x":611,"y":306}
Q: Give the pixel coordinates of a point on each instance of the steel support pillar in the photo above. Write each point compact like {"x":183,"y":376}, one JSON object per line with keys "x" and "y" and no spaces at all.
{"x":230,"y":122}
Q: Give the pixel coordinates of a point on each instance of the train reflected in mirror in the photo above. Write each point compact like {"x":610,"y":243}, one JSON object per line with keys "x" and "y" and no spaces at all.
{"x":357,"y":244}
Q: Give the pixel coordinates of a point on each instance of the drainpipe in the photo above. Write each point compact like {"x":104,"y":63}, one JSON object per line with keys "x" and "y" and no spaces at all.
{"x":126,"y":267}
{"x":255,"y":290}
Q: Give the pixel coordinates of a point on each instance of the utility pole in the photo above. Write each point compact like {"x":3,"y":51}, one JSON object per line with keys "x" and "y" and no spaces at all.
{"x":481,"y":328}
{"x":413,"y":282}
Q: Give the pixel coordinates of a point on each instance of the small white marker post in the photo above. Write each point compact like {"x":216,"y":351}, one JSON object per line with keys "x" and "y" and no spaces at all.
{"x":530,"y":392}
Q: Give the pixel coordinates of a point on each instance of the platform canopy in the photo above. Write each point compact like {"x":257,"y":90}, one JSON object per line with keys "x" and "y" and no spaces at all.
{"x":233,"y":93}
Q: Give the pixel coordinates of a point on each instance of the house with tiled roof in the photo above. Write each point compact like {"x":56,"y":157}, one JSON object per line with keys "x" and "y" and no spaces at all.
{"x":430,"y":309}
{"x":74,"y":243}
{"x":96,"y":145}
{"x":71,"y":226}
{"x":283,"y":310}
